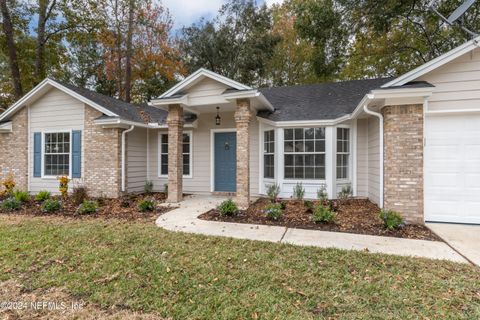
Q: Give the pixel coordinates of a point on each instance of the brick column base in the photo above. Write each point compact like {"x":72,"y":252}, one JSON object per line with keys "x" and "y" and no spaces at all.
{"x":242,"y":120}
{"x":403,"y":161}
{"x":175,"y":153}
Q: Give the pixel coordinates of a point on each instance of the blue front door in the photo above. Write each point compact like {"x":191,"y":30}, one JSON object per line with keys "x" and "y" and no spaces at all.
{"x":225,"y":161}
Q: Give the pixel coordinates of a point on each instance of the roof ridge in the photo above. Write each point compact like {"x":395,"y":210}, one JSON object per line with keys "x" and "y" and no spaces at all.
{"x":328,"y":83}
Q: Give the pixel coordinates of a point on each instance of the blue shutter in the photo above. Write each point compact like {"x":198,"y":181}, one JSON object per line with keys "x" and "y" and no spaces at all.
{"x":37,"y":154}
{"x":76,"y":154}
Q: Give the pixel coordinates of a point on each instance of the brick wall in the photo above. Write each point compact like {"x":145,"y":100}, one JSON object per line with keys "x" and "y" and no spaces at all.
{"x":403,"y":162}
{"x":102,"y":157}
{"x":14,"y":150}
{"x":243,"y":116}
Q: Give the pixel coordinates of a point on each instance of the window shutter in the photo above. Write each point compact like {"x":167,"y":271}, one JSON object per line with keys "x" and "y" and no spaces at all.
{"x":37,"y":154}
{"x":76,"y":154}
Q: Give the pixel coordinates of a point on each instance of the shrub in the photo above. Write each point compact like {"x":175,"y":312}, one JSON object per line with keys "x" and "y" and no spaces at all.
{"x":346,"y":192}
{"x":298,"y":191}
{"x":228,"y":208}
{"x":283,"y":205}
{"x":87,"y":207}
{"x":308,"y":204}
{"x":42,"y":196}
{"x":79,"y":194}
{"x":391,"y":220}
{"x":146,"y":205}
{"x":63,"y":185}
{"x":274,"y":211}
{"x":11,"y":204}
{"x":322,"y":194}
{"x":273,"y":190}
{"x":51,"y":205}
{"x":21,"y":196}
{"x":148,"y":187}
{"x":322,"y":214}
{"x":9,"y":184}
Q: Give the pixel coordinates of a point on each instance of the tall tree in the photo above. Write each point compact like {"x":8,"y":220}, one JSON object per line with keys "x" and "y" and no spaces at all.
{"x":12,"y":49}
{"x":129,"y":52}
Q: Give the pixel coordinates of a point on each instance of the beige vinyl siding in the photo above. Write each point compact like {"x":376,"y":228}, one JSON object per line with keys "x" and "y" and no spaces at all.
{"x":362,"y":157}
{"x":373,"y":160}
{"x":200,"y":182}
{"x":136,"y":160}
{"x":457,"y":84}
{"x":205,"y":91}
{"x":55,"y":110}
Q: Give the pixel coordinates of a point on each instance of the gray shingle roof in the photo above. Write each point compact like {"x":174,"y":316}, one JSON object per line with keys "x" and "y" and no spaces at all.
{"x":322,"y":101}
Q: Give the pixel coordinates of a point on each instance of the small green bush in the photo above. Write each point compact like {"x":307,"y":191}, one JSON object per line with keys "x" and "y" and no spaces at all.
{"x":42,"y":196}
{"x":273,"y":190}
{"x":228,"y":208}
{"x":79,"y":194}
{"x":11,"y":204}
{"x":391,"y":220}
{"x":148,"y":187}
{"x":283,"y":205}
{"x":346,"y":192}
{"x":298,"y":191}
{"x":146,"y":205}
{"x":274,"y":211}
{"x":21,"y":196}
{"x":87,"y":207}
{"x":51,"y":205}
{"x":322,"y":194}
{"x":323,"y":214}
{"x":308,"y":204}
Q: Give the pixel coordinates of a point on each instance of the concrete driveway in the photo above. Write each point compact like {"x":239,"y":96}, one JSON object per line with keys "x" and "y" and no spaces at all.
{"x":463,"y":238}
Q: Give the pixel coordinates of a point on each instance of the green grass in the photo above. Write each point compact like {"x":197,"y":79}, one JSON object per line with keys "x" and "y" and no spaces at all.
{"x":139,"y":266}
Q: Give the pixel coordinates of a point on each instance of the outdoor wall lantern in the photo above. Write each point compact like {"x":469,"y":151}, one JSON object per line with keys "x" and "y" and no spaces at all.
{"x":217,"y":118}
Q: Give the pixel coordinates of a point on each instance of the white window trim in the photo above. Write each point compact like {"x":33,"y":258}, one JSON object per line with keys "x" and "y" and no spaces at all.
{"x":349,"y":153}
{"x":159,"y":144}
{"x":50,"y":177}
{"x":263,"y":153}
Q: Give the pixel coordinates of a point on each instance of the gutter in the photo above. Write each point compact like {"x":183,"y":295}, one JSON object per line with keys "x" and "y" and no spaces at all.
{"x":380,"y":118}
{"x":124,"y":134}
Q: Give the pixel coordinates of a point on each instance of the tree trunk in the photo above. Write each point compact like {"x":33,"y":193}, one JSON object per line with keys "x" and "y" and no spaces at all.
{"x":128,"y":62}
{"x":12,"y":49}
{"x":40,"y":58}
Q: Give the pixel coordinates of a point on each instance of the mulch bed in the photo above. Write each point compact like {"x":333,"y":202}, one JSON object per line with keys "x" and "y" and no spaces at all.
{"x":124,"y":207}
{"x":353,"y":216}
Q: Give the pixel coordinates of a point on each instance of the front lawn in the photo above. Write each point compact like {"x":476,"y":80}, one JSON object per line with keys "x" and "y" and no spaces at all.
{"x":137,"y":266}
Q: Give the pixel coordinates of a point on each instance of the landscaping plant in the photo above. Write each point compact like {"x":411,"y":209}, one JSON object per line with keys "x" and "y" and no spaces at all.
{"x":322,"y":214}
{"x":148,"y":187}
{"x":21,"y":196}
{"x":322,"y":194}
{"x":346,"y":192}
{"x":308,"y":204}
{"x":79,"y":194}
{"x":63,"y":185}
{"x":273,"y":190}
{"x":298,"y":191}
{"x":391,"y":220}
{"x":51,"y":205}
{"x":87,"y":207}
{"x":11,"y":204}
{"x":228,"y":208}
{"x":274,"y":211}
{"x":9,"y":184}
{"x":42,"y":196}
{"x":146,"y":205}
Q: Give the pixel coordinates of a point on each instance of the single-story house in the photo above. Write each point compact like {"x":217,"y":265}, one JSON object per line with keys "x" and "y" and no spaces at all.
{"x":410,"y":144}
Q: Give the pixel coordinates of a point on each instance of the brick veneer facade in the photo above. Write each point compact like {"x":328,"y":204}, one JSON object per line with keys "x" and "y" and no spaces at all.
{"x":403,"y":160}
{"x":102,"y":157}
{"x":14,"y":150}
{"x":243,"y":116}
{"x":175,"y":153}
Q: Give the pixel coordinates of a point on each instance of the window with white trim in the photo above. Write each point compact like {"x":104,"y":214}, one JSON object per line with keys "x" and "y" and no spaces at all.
{"x":164,"y":154}
{"x":343,"y":152}
{"x":269,"y":154}
{"x":56,"y":154}
{"x":304,"y":153}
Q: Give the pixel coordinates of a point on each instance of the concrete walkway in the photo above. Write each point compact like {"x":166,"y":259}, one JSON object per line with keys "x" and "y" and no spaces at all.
{"x":184,"y":218}
{"x":464,"y":238}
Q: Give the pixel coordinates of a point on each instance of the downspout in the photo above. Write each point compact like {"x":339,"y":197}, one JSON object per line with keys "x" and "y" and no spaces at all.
{"x":124,"y":134}
{"x":380,"y":118}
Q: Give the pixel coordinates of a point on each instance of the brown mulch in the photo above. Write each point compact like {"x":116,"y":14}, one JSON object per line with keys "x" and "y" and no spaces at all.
{"x":353,"y":216}
{"x":124,"y":207}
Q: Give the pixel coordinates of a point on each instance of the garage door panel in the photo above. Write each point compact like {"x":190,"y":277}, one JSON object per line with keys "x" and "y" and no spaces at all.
{"x":452,"y":168}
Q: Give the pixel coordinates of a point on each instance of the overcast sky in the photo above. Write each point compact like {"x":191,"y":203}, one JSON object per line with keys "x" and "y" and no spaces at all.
{"x":186,"y":12}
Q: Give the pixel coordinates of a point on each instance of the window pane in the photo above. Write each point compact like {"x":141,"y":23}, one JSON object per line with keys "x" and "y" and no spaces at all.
{"x":186,"y":170}
{"x":164,"y":159}
{"x":319,"y":160}
{"x":186,"y":159}
{"x":320,"y":173}
{"x":309,"y":160}
{"x":298,"y":134}
{"x":164,"y":148}
{"x":319,"y":133}
{"x":309,"y":146}
{"x":299,"y":160}
{"x":288,"y":146}
{"x":298,"y":172}
{"x":165,"y":138}
{"x":164,"y":170}
{"x":288,"y":134}
{"x":309,"y":134}
{"x":186,"y":148}
{"x":320,"y":146}
{"x":289,"y":172}
{"x":299,"y":146}
{"x":309,"y":173}
{"x":289,"y":160}
{"x":186,"y":138}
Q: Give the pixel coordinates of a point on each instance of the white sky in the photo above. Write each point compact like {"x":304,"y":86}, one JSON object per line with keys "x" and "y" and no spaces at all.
{"x":186,"y":12}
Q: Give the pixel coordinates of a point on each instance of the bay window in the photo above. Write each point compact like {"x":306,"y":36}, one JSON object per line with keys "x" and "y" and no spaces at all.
{"x":56,"y":154}
{"x":343,"y":152}
{"x":269,"y":154}
{"x":187,"y":154}
{"x":304,"y":153}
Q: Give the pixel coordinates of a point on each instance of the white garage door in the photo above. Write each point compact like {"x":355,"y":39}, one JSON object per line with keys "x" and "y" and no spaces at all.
{"x":452,"y":168}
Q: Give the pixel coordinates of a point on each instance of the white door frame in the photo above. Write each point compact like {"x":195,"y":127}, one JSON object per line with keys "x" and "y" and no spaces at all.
{"x":212,"y":154}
